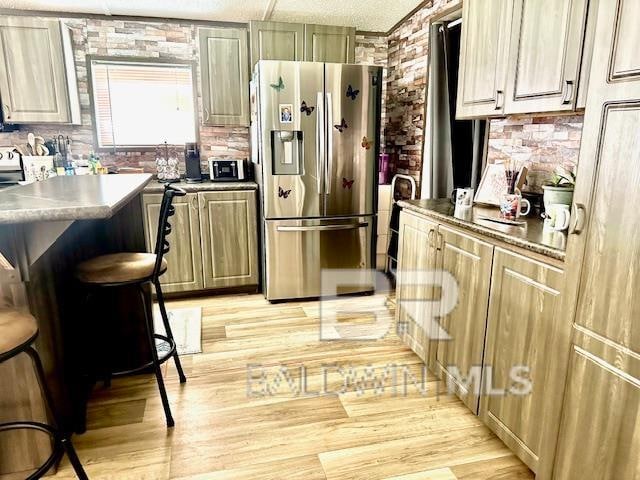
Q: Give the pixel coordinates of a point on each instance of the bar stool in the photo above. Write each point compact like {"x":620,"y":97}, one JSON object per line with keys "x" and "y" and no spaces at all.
{"x":18,"y":331}
{"x":140,"y":269}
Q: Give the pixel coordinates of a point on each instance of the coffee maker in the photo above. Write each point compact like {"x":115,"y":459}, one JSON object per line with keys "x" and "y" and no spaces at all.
{"x":192,"y":163}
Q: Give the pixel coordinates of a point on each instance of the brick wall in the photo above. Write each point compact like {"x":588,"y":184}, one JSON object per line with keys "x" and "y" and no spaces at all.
{"x":150,"y":39}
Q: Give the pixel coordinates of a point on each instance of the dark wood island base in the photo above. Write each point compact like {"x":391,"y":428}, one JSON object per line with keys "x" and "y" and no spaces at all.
{"x":46,"y":229}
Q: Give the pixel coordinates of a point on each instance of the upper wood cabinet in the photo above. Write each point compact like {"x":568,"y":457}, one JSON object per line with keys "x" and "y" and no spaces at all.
{"x":545,"y":55}
{"x":414,"y":293}
{"x":468,"y":261}
{"x":228,"y":223}
{"x":184,"y":260}
{"x":482,"y":80}
{"x":523,"y":56}
{"x":522,"y":329}
{"x":296,"y":41}
{"x":323,"y":43}
{"x":37,"y":72}
{"x":224,"y":69}
{"x":600,"y":433}
{"x":276,"y":41}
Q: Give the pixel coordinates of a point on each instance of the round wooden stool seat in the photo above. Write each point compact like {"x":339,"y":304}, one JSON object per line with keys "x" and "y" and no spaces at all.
{"x":16,"y":329}
{"x":118,"y":268}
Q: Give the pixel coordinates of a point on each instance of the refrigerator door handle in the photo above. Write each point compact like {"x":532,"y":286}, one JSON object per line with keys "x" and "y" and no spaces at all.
{"x":329,"y":170}
{"x":320,"y":123}
{"x":314,"y":228}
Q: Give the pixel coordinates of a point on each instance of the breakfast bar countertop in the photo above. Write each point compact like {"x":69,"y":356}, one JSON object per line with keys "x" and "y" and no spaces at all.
{"x":62,"y":198}
{"x":531,"y":236}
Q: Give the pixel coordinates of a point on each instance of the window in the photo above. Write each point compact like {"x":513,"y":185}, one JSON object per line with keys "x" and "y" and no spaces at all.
{"x":139,"y":104}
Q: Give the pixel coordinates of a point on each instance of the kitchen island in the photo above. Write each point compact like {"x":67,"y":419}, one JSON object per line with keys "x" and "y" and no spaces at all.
{"x":46,"y":229}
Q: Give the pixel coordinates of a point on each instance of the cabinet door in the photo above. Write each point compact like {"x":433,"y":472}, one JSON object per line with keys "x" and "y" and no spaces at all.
{"x":522,"y":324}
{"x":224,"y":69}
{"x":184,"y":260}
{"x":324,"y":43}
{"x":459,"y":360}
{"x":276,"y":41}
{"x":600,"y":428}
{"x":484,"y":49}
{"x":33,"y":80}
{"x":414,"y":296}
{"x":228,"y":223}
{"x":545,"y":54}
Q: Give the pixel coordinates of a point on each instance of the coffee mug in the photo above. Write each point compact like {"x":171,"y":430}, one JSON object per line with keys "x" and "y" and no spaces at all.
{"x":557,"y":217}
{"x":462,"y":197}
{"x":511,"y":205}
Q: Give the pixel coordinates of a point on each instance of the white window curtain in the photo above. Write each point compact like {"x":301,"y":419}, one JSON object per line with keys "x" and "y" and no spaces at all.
{"x":142,"y":104}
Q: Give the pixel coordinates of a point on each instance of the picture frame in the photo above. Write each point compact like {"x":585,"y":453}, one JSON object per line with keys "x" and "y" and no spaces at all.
{"x":286,"y":112}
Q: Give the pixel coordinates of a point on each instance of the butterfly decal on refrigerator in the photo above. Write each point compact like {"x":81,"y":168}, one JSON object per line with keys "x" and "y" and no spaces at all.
{"x":347,"y":183}
{"x":342,"y":126}
{"x":304,"y":108}
{"x":282,"y":193}
{"x":278,"y":86}
{"x":352,"y":93}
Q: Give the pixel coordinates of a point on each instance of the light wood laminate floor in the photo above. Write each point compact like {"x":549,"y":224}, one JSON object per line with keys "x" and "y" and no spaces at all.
{"x":222,"y":432}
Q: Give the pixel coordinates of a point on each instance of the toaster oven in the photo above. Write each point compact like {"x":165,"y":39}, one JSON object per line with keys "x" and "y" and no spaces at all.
{"x":226,"y":170}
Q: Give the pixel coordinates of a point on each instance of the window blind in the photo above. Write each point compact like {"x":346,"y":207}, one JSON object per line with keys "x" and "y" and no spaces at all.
{"x":142,"y":104}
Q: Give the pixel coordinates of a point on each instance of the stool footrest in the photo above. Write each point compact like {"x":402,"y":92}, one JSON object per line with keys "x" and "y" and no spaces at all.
{"x":57,"y":449}
{"x":162,"y":357}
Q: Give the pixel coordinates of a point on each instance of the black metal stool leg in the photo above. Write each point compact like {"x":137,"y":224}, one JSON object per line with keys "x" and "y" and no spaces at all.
{"x":154,"y":357}
{"x":167,"y":327}
{"x":65,"y":439}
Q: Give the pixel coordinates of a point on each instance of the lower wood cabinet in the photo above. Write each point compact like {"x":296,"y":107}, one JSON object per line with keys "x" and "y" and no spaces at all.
{"x":503,"y":330}
{"x":459,"y":359}
{"x":229,"y":238}
{"x":213,"y":240}
{"x":184,"y":260}
{"x":416,"y":257}
{"x":523,"y":320}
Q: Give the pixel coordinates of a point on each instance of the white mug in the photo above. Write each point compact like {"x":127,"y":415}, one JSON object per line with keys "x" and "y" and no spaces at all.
{"x":557,"y":217}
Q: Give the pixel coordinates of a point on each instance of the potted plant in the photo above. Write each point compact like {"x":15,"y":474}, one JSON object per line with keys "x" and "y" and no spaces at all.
{"x":560,"y":189}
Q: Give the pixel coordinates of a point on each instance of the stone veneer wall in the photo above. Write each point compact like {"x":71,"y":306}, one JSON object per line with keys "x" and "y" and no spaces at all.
{"x":545,"y":141}
{"x":548,"y":141}
{"x":151,"y":39}
{"x":407,"y":64}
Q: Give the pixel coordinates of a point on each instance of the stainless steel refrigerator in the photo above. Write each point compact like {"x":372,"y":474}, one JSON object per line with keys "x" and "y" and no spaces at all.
{"x":315,"y":141}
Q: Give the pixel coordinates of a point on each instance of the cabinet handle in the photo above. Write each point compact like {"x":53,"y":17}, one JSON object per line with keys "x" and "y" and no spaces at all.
{"x":578,"y":217}
{"x":194,"y":201}
{"x":430,"y":237}
{"x":440,"y":241}
{"x":206,"y":115}
{"x":499,"y":93}
{"x":8,"y":110}
{"x":568,"y":92}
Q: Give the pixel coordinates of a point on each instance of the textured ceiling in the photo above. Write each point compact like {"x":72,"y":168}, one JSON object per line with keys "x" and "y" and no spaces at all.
{"x":370,"y":15}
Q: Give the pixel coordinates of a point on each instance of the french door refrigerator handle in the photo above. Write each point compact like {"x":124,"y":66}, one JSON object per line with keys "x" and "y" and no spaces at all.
{"x":320,"y":124}
{"x":329,"y":170}
{"x":312,"y":228}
